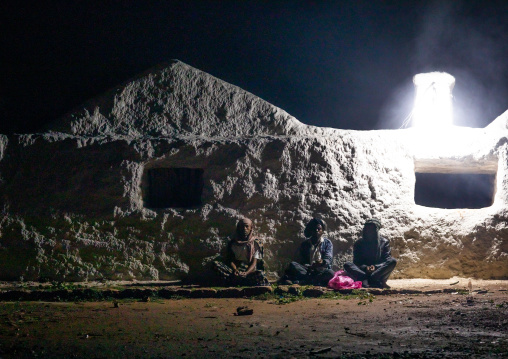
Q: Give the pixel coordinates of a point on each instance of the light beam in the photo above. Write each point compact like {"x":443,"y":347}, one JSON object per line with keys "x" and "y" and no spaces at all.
{"x":433,"y":100}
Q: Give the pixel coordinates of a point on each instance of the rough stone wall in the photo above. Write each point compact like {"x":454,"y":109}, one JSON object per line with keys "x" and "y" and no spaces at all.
{"x":73,"y":199}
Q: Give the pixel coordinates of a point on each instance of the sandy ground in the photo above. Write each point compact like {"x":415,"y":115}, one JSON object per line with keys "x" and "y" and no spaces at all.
{"x":397,"y":325}
{"x":454,"y":282}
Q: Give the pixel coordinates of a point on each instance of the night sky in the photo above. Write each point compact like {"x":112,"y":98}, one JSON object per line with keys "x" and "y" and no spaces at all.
{"x":343,"y":64}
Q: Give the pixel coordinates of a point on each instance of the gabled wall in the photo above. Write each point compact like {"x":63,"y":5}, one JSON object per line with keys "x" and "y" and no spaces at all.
{"x":74,"y":201}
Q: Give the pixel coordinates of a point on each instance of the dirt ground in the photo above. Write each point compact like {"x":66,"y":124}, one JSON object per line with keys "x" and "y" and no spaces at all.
{"x":354,"y":326}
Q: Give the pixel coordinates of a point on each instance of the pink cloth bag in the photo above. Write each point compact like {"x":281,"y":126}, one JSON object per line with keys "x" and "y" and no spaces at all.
{"x":341,"y":281}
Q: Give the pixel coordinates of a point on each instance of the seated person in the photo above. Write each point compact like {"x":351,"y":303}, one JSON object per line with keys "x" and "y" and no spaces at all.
{"x":315,"y":255}
{"x":242,"y":258}
{"x":372,"y":260}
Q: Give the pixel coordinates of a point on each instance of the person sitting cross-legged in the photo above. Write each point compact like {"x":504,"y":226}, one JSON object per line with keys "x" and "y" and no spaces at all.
{"x":315,"y":254}
{"x":372,"y":261}
{"x":243,"y":257}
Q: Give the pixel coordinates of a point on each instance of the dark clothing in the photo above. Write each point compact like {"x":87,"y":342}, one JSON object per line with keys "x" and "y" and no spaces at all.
{"x":225,"y":272}
{"x":371,"y":252}
{"x":377,"y":278}
{"x":326,"y":250}
{"x":303,"y":272}
{"x":227,"y":278}
{"x":367,"y":253}
{"x":230,"y":255}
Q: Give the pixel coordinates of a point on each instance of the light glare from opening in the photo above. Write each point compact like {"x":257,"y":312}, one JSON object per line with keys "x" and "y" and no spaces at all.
{"x":433,"y":100}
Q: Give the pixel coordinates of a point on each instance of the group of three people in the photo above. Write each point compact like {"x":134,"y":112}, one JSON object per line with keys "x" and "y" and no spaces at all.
{"x":372,"y":261}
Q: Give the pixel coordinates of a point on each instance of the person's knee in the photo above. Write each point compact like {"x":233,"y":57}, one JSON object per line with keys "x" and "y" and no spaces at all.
{"x":348,"y":266}
{"x":293,"y":269}
{"x":216,"y":265}
{"x":329,"y":274}
{"x":293,"y":266}
{"x":323,"y":278}
{"x":392,"y":262}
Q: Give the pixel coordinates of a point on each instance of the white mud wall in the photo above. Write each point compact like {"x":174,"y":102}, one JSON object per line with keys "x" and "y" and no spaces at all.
{"x":74,"y":198}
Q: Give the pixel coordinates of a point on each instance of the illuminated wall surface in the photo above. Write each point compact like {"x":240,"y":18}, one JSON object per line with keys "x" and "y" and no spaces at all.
{"x":79,"y":200}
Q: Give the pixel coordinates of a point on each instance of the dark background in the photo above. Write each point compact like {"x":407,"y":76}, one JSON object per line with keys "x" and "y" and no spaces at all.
{"x":456,"y":190}
{"x":343,"y":64}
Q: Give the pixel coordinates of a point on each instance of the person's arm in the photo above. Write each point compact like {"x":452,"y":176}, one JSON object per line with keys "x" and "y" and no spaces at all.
{"x":235,"y":269}
{"x":386,"y":253}
{"x":252,"y":266}
{"x":230,"y":259}
{"x":357,"y":258}
{"x":305,"y":253}
{"x":327,"y":256}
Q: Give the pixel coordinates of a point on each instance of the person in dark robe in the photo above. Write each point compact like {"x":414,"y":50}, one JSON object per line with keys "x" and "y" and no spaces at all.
{"x":243,"y":254}
{"x":372,"y":260}
{"x":315,"y":254}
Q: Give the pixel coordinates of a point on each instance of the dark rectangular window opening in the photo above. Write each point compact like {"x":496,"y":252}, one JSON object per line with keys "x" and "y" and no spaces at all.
{"x":454,"y":190}
{"x":174,"y":187}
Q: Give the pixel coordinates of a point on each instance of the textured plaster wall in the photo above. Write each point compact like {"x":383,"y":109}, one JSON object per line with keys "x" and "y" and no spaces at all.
{"x":72,"y":198}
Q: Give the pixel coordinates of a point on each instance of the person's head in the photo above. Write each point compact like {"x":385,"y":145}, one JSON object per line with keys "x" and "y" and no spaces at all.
{"x":315,"y":228}
{"x":243,"y":228}
{"x":371,"y":229}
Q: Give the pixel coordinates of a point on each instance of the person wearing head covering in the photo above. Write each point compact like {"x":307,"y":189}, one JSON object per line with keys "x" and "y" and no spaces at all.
{"x":372,"y":260}
{"x":240,"y":266}
{"x":315,"y":254}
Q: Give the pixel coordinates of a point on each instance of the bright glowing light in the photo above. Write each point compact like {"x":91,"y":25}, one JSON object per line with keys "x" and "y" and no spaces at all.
{"x":447,"y":142}
{"x":433,"y":100}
